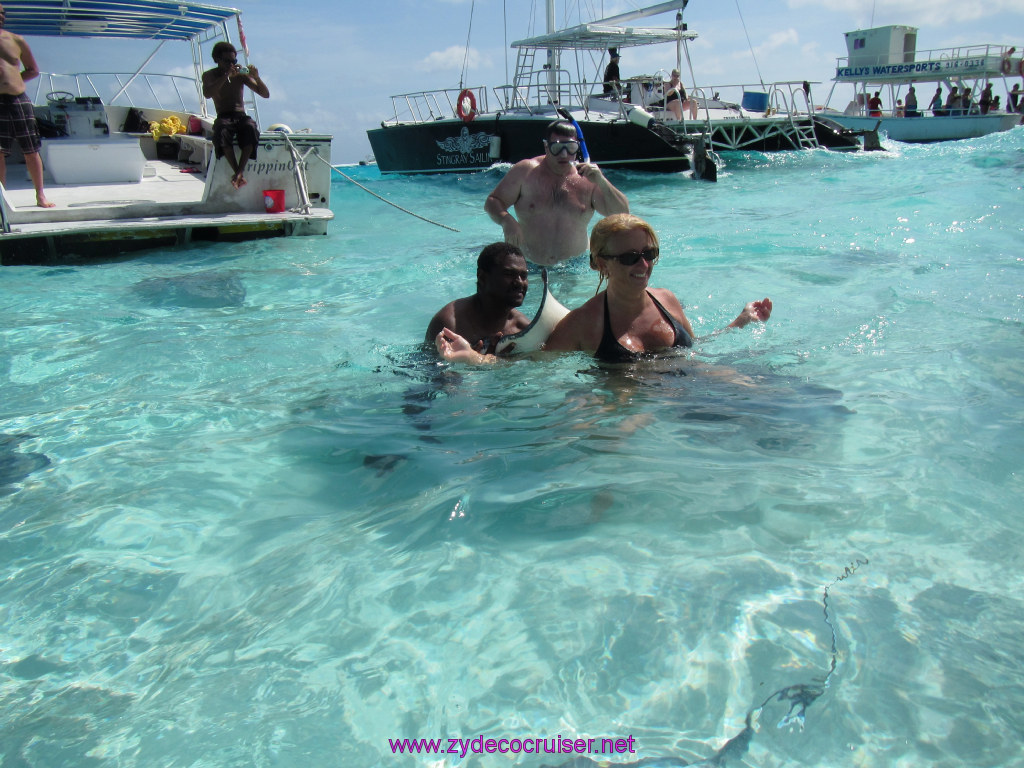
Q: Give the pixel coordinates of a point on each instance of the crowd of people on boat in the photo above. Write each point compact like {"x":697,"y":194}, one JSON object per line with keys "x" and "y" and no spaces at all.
{"x":554,"y":199}
{"x":959,"y":100}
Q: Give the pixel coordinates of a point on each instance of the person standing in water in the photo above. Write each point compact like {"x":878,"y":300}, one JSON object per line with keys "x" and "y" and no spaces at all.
{"x":225,"y":84}
{"x":554,"y":197}
{"x":17,"y":117}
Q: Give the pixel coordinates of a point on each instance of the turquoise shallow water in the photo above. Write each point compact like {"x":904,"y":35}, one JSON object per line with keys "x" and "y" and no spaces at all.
{"x":246,"y":521}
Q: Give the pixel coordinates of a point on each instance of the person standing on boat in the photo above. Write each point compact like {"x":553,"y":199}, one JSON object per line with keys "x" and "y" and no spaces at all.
{"x":912,"y":103}
{"x":17,"y":117}
{"x":468,"y":329}
{"x":935,"y":105}
{"x":952,"y":103}
{"x":611,"y":73}
{"x":875,"y":106}
{"x":225,"y":84}
{"x":554,"y":198}
{"x":985,"y":102}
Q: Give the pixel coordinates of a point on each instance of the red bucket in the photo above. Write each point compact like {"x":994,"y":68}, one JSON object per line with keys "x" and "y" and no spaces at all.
{"x":273,"y":199}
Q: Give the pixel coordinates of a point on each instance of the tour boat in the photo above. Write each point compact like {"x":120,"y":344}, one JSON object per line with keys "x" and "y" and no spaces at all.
{"x":117,"y":184}
{"x":885,"y":60}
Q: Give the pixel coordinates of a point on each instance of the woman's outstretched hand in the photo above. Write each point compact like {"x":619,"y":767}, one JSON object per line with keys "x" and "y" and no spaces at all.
{"x":755,"y":311}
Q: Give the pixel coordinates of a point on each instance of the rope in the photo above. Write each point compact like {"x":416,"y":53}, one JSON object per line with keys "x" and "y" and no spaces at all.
{"x":750,"y":45}
{"x":469,"y":34}
{"x":383,"y":199}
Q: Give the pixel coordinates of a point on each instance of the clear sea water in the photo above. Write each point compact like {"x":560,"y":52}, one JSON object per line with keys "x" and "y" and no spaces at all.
{"x":246,"y":521}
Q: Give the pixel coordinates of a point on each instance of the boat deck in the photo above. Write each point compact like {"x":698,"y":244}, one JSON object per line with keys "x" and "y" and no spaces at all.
{"x":165,"y":207}
{"x":162,"y":182}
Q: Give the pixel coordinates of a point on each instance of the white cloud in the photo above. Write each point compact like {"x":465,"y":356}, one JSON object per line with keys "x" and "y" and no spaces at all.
{"x":785,"y":40}
{"x":451,"y":58}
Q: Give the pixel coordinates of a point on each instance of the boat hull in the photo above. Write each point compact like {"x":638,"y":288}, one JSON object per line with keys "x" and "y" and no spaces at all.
{"x":928,"y":128}
{"x":454,"y":146}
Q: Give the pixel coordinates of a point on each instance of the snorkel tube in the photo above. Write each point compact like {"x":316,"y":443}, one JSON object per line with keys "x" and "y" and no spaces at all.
{"x":584,"y":152}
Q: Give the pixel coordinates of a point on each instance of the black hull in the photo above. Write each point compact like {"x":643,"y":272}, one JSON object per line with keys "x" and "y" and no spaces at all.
{"x":452,"y":146}
{"x":832,"y":135}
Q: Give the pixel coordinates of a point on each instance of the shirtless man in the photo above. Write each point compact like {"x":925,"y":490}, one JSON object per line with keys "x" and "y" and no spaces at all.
{"x":468,"y":329}
{"x":554,"y":198}
{"x":225,"y":84}
{"x":17,"y":118}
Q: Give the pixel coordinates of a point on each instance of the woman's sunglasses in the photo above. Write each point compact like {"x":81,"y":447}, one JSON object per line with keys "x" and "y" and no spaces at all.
{"x":629,"y":258}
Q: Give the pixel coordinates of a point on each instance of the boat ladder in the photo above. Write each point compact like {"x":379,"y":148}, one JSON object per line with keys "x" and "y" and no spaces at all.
{"x":524,"y":72}
{"x":802,"y":135}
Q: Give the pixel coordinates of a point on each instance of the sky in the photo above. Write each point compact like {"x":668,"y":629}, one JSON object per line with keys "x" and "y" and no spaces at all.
{"x":333,"y":65}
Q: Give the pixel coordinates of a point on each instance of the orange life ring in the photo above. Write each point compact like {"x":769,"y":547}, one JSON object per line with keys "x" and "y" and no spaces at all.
{"x":1005,"y":65}
{"x":467,"y":115}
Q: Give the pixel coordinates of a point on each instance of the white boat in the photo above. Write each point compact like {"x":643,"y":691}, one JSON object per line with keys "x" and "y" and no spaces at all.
{"x":115,"y":186}
{"x":885,"y":60}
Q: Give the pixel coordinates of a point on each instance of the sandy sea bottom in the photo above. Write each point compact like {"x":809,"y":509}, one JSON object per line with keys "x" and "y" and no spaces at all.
{"x":246,"y":520}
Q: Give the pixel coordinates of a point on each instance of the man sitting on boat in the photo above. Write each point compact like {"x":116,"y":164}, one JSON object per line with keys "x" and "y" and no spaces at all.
{"x":17,"y":118}
{"x":225,"y":84}
{"x":468,"y":329}
{"x":554,"y":198}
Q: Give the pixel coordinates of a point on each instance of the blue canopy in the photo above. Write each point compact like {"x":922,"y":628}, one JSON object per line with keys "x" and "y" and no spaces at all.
{"x":140,"y":19}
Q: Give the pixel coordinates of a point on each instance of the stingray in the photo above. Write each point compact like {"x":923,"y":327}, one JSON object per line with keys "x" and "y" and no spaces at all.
{"x":16,"y":466}
{"x":201,"y":290}
{"x":800,"y":696}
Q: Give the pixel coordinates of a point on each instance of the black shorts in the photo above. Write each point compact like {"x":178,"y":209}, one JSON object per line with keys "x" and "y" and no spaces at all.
{"x":18,"y":122}
{"x":228,"y":128}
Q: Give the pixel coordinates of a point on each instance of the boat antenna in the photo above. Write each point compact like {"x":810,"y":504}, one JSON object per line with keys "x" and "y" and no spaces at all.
{"x":465,"y":58}
{"x":749,"y":45}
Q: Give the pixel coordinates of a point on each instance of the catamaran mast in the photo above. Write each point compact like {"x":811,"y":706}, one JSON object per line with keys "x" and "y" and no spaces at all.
{"x":553,"y":62}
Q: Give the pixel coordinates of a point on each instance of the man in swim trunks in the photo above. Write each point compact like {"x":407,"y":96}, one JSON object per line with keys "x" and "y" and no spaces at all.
{"x":225,"y":84}
{"x":554,"y":198}
{"x":17,"y":118}
{"x":468,"y":329}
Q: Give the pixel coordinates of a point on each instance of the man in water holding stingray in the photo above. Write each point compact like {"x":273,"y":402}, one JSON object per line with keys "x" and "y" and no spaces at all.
{"x":468,"y":329}
{"x":554,"y":198}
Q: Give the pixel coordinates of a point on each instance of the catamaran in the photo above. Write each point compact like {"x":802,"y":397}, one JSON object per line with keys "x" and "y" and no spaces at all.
{"x":557,"y":74}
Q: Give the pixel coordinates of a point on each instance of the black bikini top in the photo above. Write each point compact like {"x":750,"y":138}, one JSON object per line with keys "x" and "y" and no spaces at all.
{"x":611,"y":351}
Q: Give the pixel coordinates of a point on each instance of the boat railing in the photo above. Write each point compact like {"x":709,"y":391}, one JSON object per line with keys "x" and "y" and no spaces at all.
{"x":992,"y":54}
{"x":542,"y":91}
{"x":427,"y":106}
{"x":148,"y":90}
